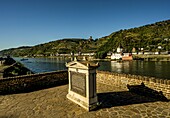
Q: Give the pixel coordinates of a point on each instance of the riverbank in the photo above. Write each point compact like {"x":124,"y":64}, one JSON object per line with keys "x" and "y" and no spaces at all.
{"x":152,"y":57}
{"x":135,"y":57}
{"x":140,"y":57}
{"x":11,"y":68}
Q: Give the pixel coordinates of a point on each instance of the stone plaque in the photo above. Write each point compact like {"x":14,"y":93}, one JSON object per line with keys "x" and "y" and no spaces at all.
{"x":78,"y":83}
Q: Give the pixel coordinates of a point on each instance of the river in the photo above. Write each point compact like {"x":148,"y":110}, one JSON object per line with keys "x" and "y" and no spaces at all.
{"x":146,"y":68}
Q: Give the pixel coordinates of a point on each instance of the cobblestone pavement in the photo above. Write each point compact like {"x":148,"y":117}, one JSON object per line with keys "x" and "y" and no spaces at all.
{"x":52,"y":103}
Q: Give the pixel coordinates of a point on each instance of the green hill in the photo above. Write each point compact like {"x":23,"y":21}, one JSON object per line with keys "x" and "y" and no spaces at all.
{"x":64,"y":46}
{"x":20,"y":51}
{"x":148,"y":37}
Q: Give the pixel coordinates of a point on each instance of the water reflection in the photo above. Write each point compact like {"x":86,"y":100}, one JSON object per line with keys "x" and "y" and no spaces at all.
{"x":146,"y":68}
{"x":117,"y":66}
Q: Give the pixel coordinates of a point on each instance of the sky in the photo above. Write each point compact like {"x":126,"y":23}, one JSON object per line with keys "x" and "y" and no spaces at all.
{"x":32,"y":22}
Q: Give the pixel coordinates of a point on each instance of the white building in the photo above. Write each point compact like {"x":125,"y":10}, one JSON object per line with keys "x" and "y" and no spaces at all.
{"x":116,"y":56}
{"x":119,"y":50}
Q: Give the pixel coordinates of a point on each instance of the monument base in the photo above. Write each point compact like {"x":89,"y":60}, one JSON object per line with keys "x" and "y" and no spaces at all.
{"x":88,"y":104}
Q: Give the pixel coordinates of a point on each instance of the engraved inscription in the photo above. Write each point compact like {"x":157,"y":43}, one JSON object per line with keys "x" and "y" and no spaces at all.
{"x":78,"y":83}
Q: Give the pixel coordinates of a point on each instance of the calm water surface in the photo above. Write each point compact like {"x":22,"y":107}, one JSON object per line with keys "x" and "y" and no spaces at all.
{"x":146,"y":68}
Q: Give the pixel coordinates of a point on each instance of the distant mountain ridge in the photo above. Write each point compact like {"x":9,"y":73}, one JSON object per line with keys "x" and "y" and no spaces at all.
{"x":148,"y":37}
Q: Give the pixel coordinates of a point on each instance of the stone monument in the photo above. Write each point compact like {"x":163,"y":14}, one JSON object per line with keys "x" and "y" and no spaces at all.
{"x":82,"y":83}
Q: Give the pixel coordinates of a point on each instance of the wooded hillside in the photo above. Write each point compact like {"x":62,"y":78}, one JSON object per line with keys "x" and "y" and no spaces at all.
{"x":147,"y":37}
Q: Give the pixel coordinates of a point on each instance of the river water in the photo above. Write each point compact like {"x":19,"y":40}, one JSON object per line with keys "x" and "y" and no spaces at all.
{"x":145,"y":68}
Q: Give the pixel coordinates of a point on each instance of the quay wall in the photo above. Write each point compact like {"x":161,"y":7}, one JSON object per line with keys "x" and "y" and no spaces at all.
{"x":32,"y":82}
{"x":122,"y":80}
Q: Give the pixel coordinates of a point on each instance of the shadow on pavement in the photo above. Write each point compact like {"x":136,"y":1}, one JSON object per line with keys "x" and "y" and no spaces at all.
{"x":137,"y":94}
{"x":146,"y":91}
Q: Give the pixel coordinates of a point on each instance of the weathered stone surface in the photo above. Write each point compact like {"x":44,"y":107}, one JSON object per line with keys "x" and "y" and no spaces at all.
{"x":122,"y":80}
{"x":52,"y":103}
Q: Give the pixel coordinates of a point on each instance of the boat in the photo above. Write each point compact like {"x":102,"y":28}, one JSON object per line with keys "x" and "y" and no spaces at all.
{"x":23,"y":59}
{"x":116,"y":56}
{"x":127,"y":57}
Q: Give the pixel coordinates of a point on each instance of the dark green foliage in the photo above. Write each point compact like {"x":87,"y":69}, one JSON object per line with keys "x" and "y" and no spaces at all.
{"x":101,"y":54}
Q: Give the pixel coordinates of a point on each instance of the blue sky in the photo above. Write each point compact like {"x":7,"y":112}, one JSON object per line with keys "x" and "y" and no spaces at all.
{"x":31,"y":22}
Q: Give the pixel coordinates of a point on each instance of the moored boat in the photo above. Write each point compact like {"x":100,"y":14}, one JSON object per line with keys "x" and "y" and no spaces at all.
{"x":127,"y":57}
{"x":23,"y":59}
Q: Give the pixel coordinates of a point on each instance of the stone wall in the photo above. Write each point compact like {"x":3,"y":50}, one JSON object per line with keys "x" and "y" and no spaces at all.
{"x":28,"y":83}
{"x":32,"y":82}
{"x":122,"y":80}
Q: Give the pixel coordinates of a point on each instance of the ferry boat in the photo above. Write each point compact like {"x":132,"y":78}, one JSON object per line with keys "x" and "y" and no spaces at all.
{"x":124,"y":56}
{"x":116,"y":56}
{"x":127,"y":57}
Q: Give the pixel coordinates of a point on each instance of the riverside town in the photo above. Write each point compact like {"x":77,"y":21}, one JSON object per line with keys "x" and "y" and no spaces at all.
{"x":85,"y":59}
{"x":81,"y":88}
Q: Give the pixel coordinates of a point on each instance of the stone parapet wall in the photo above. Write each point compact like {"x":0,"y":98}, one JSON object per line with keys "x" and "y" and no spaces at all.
{"x":122,"y":80}
{"x":32,"y":82}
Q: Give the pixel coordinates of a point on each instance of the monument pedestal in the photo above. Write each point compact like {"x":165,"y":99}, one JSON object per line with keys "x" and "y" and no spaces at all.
{"x":82,"y":84}
{"x":83,"y":102}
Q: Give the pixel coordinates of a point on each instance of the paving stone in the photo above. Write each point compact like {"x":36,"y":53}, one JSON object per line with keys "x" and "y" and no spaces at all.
{"x":154,"y":117}
{"x":113,"y":113}
{"x":52,"y":103}
{"x":125,"y":116}
{"x":159,"y":109}
{"x":137,"y":116}
{"x":129,"y":112}
{"x":165,"y":113}
{"x":135,"y":110}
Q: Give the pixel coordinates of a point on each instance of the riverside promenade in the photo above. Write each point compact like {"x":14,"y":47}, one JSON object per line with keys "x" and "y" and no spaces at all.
{"x":52,"y":103}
